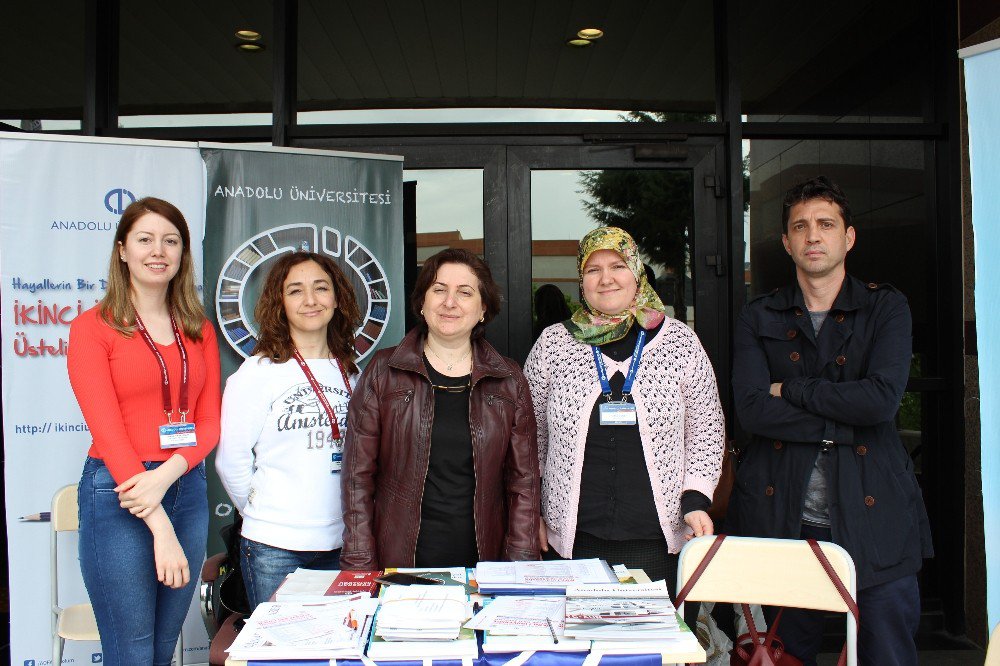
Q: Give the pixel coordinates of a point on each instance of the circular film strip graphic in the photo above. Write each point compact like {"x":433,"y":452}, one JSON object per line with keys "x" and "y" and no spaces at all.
{"x":236,"y":316}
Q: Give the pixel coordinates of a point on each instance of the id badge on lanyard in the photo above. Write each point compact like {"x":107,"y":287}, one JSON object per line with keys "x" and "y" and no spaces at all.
{"x":612,"y":412}
{"x":336,"y":441}
{"x":177,"y":435}
{"x":617,"y":414}
{"x":180,"y":434}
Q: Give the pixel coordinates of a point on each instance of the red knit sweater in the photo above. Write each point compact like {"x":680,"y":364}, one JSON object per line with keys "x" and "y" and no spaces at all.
{"x":117,"y":382}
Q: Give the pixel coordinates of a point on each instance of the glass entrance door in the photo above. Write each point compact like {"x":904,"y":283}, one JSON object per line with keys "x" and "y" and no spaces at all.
{"x":539,"y":200}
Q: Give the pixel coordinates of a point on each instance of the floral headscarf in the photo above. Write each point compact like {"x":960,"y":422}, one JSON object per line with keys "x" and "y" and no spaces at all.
{"x":593,"y":327}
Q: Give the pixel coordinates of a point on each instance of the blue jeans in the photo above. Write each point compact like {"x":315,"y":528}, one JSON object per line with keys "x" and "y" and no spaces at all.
{"x":265,"y":567}
{"x":138,"y":617}
{"x":890,"y":614}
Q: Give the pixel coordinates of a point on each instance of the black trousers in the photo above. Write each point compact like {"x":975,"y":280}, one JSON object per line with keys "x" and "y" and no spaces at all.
{"x":890,"y":614}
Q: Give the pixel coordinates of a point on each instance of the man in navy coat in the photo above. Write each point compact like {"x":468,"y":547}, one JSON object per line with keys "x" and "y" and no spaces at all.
{"x":820,"y":367}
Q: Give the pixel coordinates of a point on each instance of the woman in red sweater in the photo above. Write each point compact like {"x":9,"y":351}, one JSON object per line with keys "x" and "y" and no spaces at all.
{"x":144,"y":366}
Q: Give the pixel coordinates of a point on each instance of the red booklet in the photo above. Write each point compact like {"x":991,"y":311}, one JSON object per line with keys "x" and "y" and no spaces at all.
{"x":311,"y":586}
{"x":349,"y":582}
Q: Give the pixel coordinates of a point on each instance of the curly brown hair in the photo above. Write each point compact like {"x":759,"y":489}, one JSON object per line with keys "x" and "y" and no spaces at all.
{"x":275,"y":339}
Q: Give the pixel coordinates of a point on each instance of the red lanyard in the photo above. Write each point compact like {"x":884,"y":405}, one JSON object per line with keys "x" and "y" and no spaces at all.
{"x":320,"y":395}
{"x":168,"y":408}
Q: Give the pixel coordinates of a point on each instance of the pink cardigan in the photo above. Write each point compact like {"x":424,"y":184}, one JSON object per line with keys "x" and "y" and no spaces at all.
{"x":680,"y":423}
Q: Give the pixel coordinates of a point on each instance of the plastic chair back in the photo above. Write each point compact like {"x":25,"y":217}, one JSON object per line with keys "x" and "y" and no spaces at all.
{"x":771,"y":572}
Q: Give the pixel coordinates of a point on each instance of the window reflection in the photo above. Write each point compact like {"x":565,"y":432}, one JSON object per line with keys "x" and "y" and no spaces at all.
{"x":449,"y":210}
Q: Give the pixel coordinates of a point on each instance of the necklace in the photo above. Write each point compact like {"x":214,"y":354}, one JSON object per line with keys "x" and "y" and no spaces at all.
{"x":451,"y":365}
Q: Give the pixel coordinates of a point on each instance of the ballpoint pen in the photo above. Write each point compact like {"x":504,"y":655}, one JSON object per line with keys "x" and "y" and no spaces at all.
{"x":552,"y":630}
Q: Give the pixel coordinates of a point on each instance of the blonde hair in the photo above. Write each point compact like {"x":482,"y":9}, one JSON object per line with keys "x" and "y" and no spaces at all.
{"x":116,"y":307}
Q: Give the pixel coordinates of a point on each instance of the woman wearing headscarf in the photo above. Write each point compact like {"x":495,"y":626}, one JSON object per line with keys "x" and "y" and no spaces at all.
{"x":630,"y":429}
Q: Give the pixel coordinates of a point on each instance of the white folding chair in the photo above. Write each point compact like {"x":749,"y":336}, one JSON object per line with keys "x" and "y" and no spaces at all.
{"x":771,"y":572}
{"x":77,"y":622}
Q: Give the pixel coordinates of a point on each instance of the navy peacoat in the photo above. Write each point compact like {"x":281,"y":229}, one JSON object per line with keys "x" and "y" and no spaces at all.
{"x":840,"y":390}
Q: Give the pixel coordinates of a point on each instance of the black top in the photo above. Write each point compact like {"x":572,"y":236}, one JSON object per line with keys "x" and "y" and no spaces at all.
{"x":447,"y":524}
{"x":616,"y":495}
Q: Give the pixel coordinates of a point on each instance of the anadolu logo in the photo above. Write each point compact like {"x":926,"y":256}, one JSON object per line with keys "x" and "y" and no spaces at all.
{"x":243,"y":274}
{"x":117,"y":200}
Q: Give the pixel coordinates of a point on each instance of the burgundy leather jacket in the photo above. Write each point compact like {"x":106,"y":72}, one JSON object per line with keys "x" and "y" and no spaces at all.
{"x":387,"y":452}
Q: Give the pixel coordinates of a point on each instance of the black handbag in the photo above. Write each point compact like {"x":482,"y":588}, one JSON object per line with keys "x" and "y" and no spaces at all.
{"x":230,"y":593}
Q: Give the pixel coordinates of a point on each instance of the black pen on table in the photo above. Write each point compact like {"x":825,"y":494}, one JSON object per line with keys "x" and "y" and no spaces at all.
{"x":552,"y":630}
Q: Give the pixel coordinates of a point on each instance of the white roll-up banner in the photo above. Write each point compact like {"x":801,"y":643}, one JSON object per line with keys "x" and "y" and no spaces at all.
{"x":60,"y":201}
{"x":982,"y":83}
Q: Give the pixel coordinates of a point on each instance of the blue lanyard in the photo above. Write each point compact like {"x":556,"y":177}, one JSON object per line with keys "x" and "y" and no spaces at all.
{"x":633,"y":368}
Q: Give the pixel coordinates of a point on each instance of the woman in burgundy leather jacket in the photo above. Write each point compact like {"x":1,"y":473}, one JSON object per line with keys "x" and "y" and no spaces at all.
{"x":441,"y":461}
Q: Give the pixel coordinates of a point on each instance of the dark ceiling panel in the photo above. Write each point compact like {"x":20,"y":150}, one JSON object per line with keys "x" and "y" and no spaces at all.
{"x":608,"y":55}
{"x":322,"y":60}
{"x":480,"y":32}
{"x":574,"y":65}
{"x":547,"y":42}
{"x":680,"y":64}
{"x":450,"y":58}
{"x":178,"y":56}
{"x":42,"y":60}
{"x":698,"y":54}
{"x":515,"y":20}
{"x":342,"y":30}
{"x":659,"y":50}
{"x":408,"y":27}
{"x":376,"y":27}
{"x":181,"y":55}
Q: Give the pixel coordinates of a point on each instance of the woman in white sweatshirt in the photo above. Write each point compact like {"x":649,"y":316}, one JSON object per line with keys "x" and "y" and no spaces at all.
{"x":284,"y":416}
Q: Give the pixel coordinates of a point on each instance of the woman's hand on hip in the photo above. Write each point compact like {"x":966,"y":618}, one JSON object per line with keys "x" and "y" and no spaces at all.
{"x":543,"y":536}
{"x":171,"y":563}
{"x":143,"y":492}
{"x":700,"y":522}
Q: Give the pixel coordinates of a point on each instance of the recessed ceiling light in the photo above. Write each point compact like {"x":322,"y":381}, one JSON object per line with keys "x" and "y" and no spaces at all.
{"x":248,"y":35}
{"x":590,"y":33}
{"x":250,"y":48}
{"x":579,"y":43}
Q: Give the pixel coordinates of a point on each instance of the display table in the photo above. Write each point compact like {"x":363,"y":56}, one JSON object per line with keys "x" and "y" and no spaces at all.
{"x":537,"y":659}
